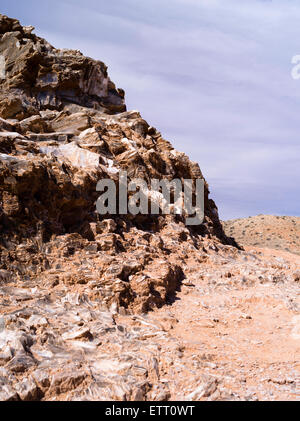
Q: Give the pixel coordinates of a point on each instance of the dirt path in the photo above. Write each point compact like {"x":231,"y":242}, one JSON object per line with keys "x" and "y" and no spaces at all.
{"x":234,"y":331}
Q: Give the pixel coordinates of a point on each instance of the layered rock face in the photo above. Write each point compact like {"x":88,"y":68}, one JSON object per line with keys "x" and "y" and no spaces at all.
{"x":77,"y":290}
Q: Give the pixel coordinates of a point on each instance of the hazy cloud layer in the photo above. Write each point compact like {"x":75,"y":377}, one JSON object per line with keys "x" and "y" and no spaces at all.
{"x":214,"y":76}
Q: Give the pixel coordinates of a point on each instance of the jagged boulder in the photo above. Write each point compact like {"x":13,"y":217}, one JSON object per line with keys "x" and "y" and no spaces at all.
{"x":36,"y":76}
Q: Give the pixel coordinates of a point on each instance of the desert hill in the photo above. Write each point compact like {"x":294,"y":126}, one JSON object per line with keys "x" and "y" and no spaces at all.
{"x":267,"y":231}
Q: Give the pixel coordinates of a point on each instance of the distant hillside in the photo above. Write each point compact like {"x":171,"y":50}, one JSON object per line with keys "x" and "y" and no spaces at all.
{"x":275,"y":232}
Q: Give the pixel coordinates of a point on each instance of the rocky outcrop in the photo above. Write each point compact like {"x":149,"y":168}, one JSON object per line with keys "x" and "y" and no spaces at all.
{"x":64,"y":126}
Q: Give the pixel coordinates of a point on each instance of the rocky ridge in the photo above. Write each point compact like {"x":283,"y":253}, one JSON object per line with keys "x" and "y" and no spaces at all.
{"x":96,"y":308}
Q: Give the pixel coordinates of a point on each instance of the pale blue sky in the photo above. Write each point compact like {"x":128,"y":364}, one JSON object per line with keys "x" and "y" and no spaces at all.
{"x":213,"y":76}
